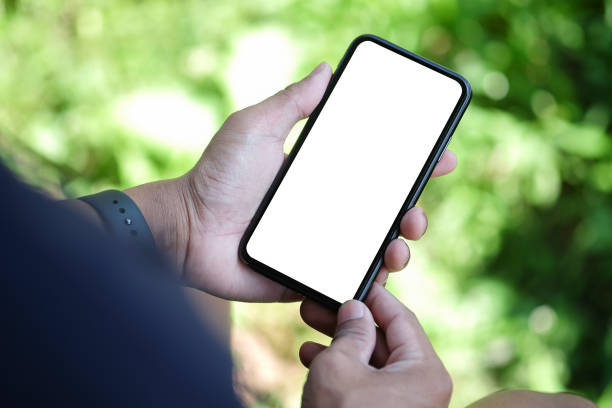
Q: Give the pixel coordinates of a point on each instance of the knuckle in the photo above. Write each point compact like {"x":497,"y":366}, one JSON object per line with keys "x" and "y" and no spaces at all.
{"x":289,"y":94}
{"x":289,"y":90}
{"x":234,"y":119}
{"x":286,"y":94}
{"x":242,"y":114}
{"x":234,"y":116}
{"x":244,"y":123}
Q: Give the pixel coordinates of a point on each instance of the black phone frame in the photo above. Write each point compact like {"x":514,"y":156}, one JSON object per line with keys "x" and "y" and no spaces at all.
{"x":410,"y":201}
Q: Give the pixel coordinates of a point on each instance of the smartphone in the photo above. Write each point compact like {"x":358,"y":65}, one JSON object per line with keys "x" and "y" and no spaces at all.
{"x":360,"y":162}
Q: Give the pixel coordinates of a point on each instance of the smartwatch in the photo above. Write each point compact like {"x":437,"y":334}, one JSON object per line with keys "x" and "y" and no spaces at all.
{"x":121,"y":218}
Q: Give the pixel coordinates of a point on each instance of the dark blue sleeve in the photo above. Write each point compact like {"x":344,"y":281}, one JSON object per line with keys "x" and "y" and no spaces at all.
{"x":88,"y":323}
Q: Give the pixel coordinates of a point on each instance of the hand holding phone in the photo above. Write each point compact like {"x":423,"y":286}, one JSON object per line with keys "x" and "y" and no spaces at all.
{"x":383,"y":122}
{"x":199,"y":219}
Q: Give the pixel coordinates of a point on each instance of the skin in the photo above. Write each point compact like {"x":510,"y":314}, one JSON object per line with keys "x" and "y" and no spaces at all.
{"x":374,"y":385}
{"x":382,"y":355}
{"x":528,"y":399}
{"x":411,"y":374}
{"x":199,"y":218}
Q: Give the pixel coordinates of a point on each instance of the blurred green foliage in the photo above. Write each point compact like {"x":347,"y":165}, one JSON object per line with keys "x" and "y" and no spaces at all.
{"x":513,"y":281}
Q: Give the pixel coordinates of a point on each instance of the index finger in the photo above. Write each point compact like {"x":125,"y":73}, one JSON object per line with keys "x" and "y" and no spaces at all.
{"x":405,"y":336}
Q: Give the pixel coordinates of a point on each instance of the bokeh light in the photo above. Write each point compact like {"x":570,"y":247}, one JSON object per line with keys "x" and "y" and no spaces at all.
{"x":512,"y":281}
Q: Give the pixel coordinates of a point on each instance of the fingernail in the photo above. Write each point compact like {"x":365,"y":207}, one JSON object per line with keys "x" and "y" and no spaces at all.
{"x":353,"y":309}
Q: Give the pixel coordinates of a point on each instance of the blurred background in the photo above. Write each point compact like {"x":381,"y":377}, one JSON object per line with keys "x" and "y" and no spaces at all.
{"x":512,"y":282}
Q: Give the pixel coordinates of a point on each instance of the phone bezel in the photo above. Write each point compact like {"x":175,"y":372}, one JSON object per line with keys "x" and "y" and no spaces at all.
{"x":410,"y":201}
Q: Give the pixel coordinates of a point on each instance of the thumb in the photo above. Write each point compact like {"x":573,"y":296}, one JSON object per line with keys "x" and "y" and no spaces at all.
{"x":276,"y":115}
{"x":355,"y":331}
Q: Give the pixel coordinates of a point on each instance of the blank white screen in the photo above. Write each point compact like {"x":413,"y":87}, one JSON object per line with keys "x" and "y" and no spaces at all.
{"x":355,"y":169}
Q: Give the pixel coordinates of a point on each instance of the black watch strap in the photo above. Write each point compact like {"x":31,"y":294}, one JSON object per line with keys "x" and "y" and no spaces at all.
{"x":121,"y":217}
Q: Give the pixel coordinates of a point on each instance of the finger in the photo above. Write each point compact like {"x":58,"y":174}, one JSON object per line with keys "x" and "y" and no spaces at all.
{"x":276,"y":115}
{"x":397,"y":255}
{"x":289,"y":295}
{"x":308,"y":352}
{"x":405,"y":337}
{"x":318,"y":317}
{"x":323,"y":320}
{"x":413,"y":224}
{"x":382,"y":276}
{"x":447,"y":163}
{"x":380,"y":355}
{"x":355,"y":331}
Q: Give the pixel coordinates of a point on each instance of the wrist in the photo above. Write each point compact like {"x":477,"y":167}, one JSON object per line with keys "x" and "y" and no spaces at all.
{"x":162,"y":204}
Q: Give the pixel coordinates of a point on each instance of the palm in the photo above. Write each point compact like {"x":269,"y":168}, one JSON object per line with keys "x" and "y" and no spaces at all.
{"x":234,"y":174}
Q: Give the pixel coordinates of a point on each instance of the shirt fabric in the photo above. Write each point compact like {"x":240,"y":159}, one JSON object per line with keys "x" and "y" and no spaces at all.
{"x":87,"y":322}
